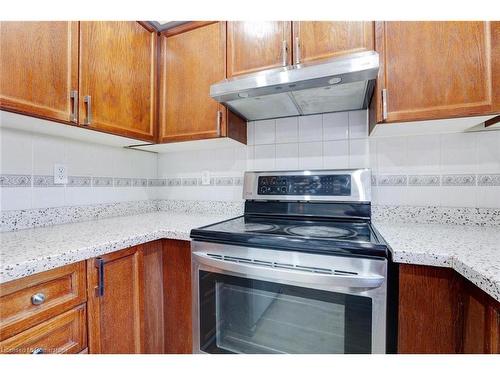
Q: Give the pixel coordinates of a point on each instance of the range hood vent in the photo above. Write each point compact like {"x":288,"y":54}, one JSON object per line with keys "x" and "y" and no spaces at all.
{"x":339,"y":84}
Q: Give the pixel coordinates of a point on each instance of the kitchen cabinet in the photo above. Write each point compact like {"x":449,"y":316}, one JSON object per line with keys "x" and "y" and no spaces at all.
{"x":178,"y":296}
{"x":191,"y":60}
{"x":313,"y":40}
{"x":125,"y":297}
{"x":435,"y":70}
{"x":39,"y":69}
{"x":441,"y":312}
{"x":118,"y":78}
{"x":254,"y":46}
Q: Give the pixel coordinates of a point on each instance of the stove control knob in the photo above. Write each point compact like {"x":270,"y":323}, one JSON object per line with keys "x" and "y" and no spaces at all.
{"x":283,"y":189}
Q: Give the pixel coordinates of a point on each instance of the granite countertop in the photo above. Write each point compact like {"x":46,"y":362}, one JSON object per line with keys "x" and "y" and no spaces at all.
{"x":29,"y":251}
{"x":472,"y":251}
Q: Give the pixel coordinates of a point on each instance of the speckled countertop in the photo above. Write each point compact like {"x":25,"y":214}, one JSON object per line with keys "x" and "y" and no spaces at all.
{"x":472,"y":251}
{"x":29,"y":251}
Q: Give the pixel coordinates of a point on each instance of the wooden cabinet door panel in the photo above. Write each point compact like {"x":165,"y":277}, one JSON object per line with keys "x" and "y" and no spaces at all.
{"x":118,"y":72}
{"x":321,"y":39}
{"x":66,"y":333}
{"x":436,"y":70}
{"x":62,"y":288}
{"x":39,"y":68}
{"x":191,"y":62}
{"x":116,"y":323}
{"x":178,"y":307}
{"x":254,"y":46}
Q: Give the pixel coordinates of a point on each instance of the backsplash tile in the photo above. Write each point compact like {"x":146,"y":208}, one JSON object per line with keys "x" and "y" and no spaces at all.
{"x":14,"y":180}
{"x":459,"y":180}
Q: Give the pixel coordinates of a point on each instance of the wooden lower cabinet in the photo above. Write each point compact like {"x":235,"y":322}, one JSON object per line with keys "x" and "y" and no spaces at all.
{"x":441,"y":312}
{"x":178,"y":309}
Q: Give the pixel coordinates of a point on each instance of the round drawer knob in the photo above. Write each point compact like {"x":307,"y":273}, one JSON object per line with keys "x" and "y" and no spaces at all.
{"x":38,"y":299}
{"x":38,"y":351}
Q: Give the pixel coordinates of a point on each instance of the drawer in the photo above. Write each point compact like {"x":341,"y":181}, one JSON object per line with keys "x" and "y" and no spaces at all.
{"x":66,"y":333}
{"x":31,"y":300}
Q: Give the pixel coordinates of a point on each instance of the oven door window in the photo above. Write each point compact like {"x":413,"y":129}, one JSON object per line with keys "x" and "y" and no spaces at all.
{"x":239,"y":315}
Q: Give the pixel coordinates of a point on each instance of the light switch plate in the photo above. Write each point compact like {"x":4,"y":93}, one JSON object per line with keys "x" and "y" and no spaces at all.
{"x":60,"y":174}
{"x":205,"y":178}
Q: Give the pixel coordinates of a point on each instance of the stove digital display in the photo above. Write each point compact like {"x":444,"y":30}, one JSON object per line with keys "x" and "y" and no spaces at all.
{"x":323,"y":185}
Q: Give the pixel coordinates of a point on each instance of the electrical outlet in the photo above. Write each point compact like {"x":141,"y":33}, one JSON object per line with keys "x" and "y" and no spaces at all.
{"x":205,"y":178}
{"x":60,"y":174}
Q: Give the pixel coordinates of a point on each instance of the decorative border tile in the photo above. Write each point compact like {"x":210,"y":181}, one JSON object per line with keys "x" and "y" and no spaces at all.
{"x":459,"y":180}
{"x":224,"y":181}
{"x":174,"y":182}
{"x":238,"y":181}
{"x":79,"y":181}
{"x":392,"y":180}
{"x":374,"y":180}
{"x":488,"y":180}
{"x":157,"y":182}
{"x":421,"y":180}
{"x":102,"y":181}
{"x":190,"y":181}
{"x":123,"y":182}
{"x":15,"y":180}
{"x":140,"y":182}
{"x":45,"y":181}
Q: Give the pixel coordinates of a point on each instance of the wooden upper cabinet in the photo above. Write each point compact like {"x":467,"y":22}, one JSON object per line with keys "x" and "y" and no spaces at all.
{"x":191,"y":61}
{"x":39,"y":68}
{"x":433,"y":70}
{"x":118,"y":78}
{"x":254,"y":46}
{"x":315,"y":40}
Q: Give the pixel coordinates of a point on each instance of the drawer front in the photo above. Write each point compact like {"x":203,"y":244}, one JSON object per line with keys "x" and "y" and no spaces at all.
{"x":34,"y":299}
{"x":66,"y":333}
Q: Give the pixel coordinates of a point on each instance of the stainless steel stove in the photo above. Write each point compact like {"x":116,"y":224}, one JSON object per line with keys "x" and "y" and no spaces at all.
{"x":302,"y":271}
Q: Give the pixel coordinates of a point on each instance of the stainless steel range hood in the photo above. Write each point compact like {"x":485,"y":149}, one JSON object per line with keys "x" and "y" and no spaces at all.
{"x":338,"y":84}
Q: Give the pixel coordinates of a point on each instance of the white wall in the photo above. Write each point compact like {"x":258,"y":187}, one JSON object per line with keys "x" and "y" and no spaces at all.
{"x":456,"y":170}
{"x":27,"y":154}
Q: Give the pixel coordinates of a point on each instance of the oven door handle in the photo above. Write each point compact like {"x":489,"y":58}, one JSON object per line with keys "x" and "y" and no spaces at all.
{"x":284,"y":275}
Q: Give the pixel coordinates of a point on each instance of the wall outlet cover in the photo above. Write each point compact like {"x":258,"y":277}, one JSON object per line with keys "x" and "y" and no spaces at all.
{"x":60,"y":174}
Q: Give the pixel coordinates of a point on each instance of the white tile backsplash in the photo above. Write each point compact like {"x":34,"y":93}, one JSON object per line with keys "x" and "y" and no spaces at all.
{"x":311,"y":128}
{"x":265,"y":132}
{"x":336,"y":154}
{"x":358,"y":124}
{"x":287,"y":156}
{"x":287,"y":130}
{"x":311,"y":155}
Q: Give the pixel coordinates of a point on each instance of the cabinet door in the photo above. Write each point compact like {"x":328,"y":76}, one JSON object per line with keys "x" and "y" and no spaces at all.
{"x":319,"y":39}
{"x":115,"y":312}
{"x":39,"y":68}
{"x":433,"y":70}
{"x":118,"y":76}
{"x":254,"y":46}
{"x":191,"y":62}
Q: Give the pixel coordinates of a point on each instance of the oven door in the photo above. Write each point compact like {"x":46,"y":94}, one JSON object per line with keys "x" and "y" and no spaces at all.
{"x":248,"y":300}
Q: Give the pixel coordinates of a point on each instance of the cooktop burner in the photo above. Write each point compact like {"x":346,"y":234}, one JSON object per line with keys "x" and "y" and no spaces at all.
{"x":320,"y":231}
{"x":260,"y":227}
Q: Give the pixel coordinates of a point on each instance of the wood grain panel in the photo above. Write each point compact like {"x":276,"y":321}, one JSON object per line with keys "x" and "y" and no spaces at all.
{"x":63,"y":287}
{"x":153,"y":298}
{"x":177,"y":287}
{"x":438,"y":70}
{"x":38,"y":68}
{"x":66,"y":333}
{"x":321,"y":39}
{"x":254,"y":46}
{"x":118,"y":70}
{"x":116,"y":319}
{"x":429,"y":319}
{"x":190,"y":63}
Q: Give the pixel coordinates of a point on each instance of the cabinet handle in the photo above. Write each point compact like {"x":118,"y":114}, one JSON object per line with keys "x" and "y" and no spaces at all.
{"x":284,"y":53}
{"x":296,"y":50}
{"x":384,"y":104}
{"x":38,"y":299}
{"x":74,"y":110}
{"x":88,"y":102}
{"x":219,"y":122}
{"x":99,"y":263}
{"x":38,"y":351}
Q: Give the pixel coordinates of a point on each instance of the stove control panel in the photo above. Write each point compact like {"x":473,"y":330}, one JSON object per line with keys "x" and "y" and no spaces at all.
{"x":313,"y":185}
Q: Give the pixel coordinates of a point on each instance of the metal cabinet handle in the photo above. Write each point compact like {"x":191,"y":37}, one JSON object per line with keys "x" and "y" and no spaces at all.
{"x":88,"y":101}
{"x":38,"y":351}
{"x":38,"y":299}
{"x":74,"y":110}
{"x":99,"y":263}
{"x":219,"y":122}
{"x":284,"y":53}
{"x":296,"y":50}
{"x":384,"y":104}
